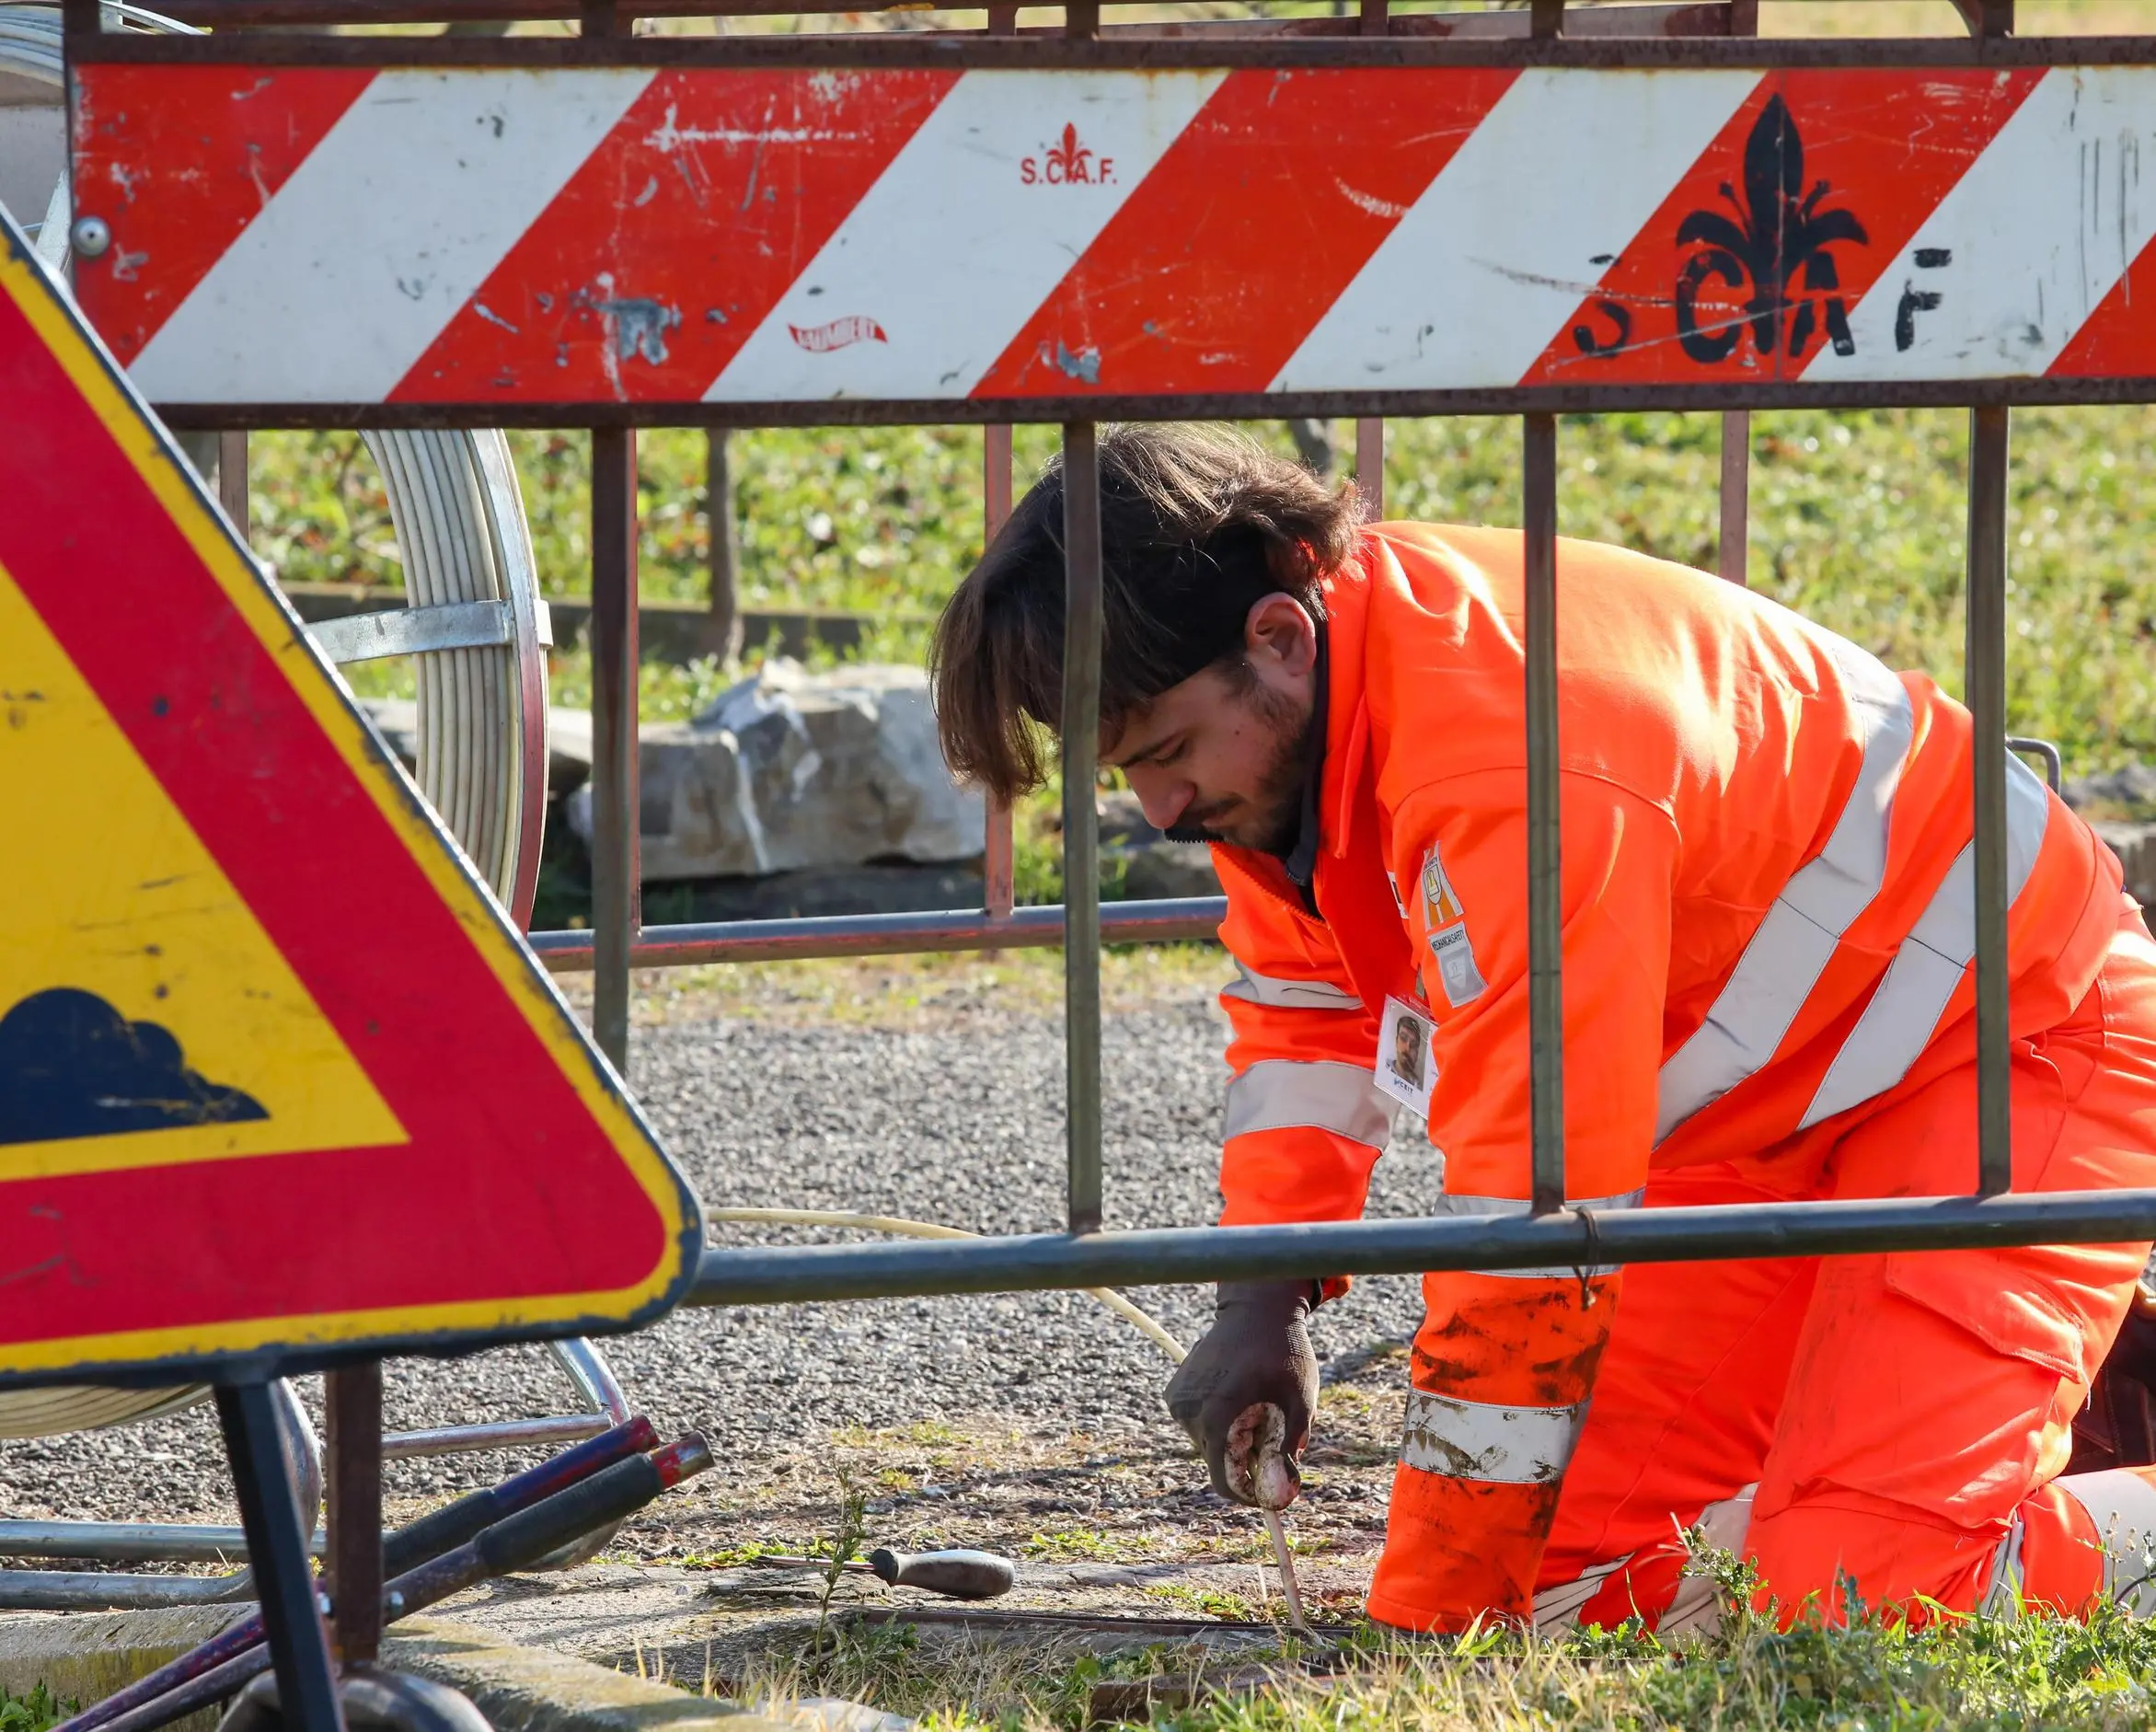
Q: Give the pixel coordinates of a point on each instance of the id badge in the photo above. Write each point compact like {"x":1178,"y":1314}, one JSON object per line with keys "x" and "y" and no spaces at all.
{"x":1406,"y":1066}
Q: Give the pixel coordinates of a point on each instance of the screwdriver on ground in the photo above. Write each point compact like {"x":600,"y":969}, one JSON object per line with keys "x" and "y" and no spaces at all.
{"x":958,"y":1574}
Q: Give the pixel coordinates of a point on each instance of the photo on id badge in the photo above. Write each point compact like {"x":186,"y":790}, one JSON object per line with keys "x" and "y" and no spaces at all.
{"x":1406,"y":1069}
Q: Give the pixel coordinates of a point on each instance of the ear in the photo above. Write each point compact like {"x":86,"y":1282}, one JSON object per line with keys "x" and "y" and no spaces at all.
{"x":1279,"y":635}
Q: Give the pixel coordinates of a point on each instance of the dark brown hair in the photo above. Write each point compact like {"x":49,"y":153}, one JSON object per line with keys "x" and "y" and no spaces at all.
{"x":1196,"y":524}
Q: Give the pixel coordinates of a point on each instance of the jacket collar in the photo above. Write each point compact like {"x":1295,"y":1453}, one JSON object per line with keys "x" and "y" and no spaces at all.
{"x":1338,"y":777}
{"x":1345,"y":766}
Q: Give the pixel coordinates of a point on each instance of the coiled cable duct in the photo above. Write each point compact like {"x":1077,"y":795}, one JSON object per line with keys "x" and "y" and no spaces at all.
{"x":461,"y":529}
{"x":462,"y":533}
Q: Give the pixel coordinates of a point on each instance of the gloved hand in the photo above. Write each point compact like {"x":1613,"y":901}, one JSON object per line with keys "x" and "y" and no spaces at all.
{"x":1247,"y":1391}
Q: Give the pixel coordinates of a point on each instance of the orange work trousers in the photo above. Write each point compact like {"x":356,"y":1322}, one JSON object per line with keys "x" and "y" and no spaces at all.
{"x":1899,"y":1415}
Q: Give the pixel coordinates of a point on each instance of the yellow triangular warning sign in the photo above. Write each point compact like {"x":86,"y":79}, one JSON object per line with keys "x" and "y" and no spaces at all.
{"x":276,"y":1075}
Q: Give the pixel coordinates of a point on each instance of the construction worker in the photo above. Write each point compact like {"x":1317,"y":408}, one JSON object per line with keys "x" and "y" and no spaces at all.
{"x":1767,"y":903}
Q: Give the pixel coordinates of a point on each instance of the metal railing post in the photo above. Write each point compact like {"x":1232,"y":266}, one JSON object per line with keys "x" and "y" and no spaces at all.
{"x":232,"y":479}
{"x":1370,"y":466}
{"x":1000,"y":853}
{"x":1731,"y":552}
{"x":1373,"y":18}
{"x":616,"y":888}
{"x":1986,"y":694}
{"x":1545,"y":916}
{"x":352,"y":1399}
{"x":1081,"y":868}
{"x":722,"y":617}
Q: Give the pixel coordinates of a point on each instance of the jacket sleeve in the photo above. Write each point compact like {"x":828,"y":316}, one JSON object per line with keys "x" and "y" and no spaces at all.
{"x":1304,"y":1120}
{"x":1504,"y":1364}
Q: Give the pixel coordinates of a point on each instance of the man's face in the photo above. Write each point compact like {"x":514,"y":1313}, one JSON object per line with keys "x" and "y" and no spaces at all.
{"x":1223,"y":756}
{"x":1407,"y":1050}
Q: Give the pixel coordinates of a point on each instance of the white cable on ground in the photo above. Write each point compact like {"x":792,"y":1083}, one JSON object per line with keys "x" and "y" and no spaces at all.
{"x":1146,"y":1325}
{"x":904,"y":1228}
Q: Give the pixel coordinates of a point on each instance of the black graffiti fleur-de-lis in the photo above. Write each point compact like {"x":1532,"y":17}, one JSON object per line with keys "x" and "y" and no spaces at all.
{"x":1776,"y":248}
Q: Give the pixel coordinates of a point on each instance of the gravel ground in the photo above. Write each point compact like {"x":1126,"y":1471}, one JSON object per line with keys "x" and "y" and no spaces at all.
{"x":955,"y":1119}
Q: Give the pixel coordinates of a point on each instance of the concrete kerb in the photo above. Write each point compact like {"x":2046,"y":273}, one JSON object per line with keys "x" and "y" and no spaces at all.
{"x":85,"y":1655}
{"x":535,"y":1690}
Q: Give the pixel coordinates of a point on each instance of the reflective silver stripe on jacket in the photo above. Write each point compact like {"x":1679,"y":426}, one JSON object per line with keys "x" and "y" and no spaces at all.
{"x":1697,"y":1604}
{"x":1499,"y":1446}
{"x":2122,"y":1506}
{"x":1797,"y":938}
{"x":1288,"y":994}
{"x":1904,"y":1013}
{"x":1512,"y":1206}
{"x":1282,"y":1093}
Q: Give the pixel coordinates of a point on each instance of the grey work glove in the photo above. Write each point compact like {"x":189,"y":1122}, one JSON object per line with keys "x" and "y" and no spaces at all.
{"x":1248,"y":1389}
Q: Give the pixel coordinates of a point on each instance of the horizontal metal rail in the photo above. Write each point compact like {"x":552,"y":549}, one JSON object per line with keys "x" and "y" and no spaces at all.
{"x":1630,"y":21}
{"x":129,"y":1542}
{"x":1044,"y":51}
{"x":1560,"y":400}
{"x":116,"y":1591}
{"x":508,"y":1434}
{"x":1163,"y":922}
{"x":1564,"y":1239}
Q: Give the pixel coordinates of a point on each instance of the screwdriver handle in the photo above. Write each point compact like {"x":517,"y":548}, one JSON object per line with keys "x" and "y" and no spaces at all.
{"x":960,"y":1575}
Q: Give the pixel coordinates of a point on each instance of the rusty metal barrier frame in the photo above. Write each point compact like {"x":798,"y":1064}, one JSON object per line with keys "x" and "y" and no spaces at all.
{"x":1664,"y":36}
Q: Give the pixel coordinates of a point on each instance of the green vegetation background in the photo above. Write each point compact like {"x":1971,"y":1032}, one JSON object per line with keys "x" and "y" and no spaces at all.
{"x":1857,"y":521}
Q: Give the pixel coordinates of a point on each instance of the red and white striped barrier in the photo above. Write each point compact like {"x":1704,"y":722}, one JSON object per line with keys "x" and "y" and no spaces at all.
{"x":500,"y":237}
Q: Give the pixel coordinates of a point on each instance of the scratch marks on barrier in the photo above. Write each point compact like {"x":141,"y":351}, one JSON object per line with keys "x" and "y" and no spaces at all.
{"x":1370,"y":202}
{"x":670,"y":136}
{"x":62,"y":1257}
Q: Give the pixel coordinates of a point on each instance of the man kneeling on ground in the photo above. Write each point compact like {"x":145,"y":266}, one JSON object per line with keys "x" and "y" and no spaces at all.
{"x":1767,"y":903}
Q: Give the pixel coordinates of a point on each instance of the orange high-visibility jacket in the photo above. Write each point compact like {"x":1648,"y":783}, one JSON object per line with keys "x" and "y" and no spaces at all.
{"x":1768,"y":895}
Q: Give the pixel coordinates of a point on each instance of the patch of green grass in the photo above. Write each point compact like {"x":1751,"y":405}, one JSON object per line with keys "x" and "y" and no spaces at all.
{"x":731,"y":1557}
{"x":1211,"y":1602}
{"x":34,"y":1711}
{"x":1083,"y":1545}
{"x":1857,"y":520}
{"x":1878,"y":1675}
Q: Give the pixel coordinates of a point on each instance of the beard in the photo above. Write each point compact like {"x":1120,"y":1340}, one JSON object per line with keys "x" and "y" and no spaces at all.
{"x":1269,"y":819}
